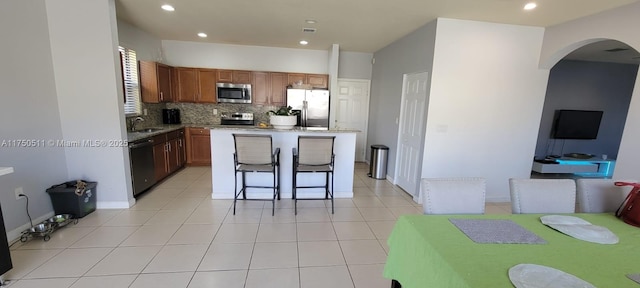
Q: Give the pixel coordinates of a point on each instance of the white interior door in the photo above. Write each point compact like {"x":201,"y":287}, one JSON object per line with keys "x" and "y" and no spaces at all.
{"x":411,"y":131}
{"x":352,"y":111}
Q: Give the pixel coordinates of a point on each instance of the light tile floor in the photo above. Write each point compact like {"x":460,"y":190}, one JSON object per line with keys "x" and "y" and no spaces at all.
{"x":176,"y":236}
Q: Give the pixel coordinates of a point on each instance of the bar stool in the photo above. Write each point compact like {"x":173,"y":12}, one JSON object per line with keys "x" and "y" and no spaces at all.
{"x":313,"y":155}
{"x":254,"y":153}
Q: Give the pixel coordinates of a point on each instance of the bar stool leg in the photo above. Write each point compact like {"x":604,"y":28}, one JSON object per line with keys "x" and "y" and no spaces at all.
{"x":244,"y":186}
{"x":235,"y":191}
{"x":275,"y":193}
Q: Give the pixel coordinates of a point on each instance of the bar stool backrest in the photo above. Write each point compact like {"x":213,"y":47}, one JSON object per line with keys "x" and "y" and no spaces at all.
{"x":314,"y":150}
{"x":253,"y":149}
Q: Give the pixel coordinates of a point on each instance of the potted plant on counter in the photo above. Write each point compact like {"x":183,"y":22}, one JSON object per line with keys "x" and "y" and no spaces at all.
{"x":283,"y":118}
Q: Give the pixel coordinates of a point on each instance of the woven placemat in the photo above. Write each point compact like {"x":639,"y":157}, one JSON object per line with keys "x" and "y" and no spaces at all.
{"x":497,"y":231}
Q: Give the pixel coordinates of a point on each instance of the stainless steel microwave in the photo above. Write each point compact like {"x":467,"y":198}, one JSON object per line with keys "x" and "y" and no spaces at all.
{"x":233,"y":93}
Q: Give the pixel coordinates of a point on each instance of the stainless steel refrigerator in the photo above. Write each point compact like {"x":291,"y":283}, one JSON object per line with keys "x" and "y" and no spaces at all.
{"x":313,"y":106}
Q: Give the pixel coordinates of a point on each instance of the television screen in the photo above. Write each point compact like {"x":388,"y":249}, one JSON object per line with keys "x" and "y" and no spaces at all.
{"x":577,"y":124}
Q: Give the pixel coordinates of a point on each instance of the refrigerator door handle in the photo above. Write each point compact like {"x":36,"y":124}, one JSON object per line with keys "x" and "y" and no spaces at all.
{"x":304,"y":113}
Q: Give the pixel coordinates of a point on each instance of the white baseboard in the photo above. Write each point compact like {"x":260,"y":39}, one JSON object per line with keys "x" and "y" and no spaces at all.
{"x":116,"y":204}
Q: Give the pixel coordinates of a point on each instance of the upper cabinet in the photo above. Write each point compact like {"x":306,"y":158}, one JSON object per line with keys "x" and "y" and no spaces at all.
{"x":268,"y":88}
{"x":234,"y":76}
{"x":207,"y":83}
{"x":314,"y":80}
{"x":196,"y":85}
{"x":260,"y":88}
{"x":278,"y":88}
{"x":162,"y":83}
{"x":318,"y":80}
{"x":155,"y":82}
{"x":187,"y":84}
{"x":296,"y":78}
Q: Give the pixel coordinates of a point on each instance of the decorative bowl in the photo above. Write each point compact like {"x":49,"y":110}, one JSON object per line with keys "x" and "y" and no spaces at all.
{"x":283,"y":122}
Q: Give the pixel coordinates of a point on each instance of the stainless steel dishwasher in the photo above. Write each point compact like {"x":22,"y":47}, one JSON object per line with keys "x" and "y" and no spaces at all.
{"x":142,"y":170}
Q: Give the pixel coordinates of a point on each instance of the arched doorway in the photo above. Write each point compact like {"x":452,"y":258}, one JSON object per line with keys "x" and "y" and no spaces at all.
{"x":598,"y":76}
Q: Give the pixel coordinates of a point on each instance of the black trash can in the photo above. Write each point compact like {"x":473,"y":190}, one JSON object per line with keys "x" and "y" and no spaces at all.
{"x":378,"y":162}
{"x":74,"y":198}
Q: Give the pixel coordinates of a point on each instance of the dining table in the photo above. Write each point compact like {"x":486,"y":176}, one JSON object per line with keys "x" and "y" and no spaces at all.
{"x":431,"y":251}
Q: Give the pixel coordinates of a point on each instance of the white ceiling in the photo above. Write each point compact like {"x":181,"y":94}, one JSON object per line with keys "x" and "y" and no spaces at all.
{"x":356,"y":25}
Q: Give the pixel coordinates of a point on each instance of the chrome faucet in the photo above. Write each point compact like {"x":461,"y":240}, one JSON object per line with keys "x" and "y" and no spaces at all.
{"x":134,"y":121}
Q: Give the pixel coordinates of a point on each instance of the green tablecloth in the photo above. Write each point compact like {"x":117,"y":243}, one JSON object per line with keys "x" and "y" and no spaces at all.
{"x":429,"y":251}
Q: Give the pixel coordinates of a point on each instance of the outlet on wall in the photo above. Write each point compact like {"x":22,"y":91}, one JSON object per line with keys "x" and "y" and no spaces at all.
{"x":19,"y":191}
{"x":215,"y":111}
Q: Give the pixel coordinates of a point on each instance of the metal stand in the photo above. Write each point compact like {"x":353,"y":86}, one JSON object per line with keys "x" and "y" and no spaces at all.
{"x":45,"y":228}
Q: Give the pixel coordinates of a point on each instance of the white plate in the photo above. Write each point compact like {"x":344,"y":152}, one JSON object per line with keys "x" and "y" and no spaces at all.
{"x":538,"y":276}
{"x":580,"y":229}
{"x":563,"y":219}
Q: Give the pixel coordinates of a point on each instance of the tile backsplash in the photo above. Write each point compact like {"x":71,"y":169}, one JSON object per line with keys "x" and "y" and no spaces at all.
{"x":201,"y":114}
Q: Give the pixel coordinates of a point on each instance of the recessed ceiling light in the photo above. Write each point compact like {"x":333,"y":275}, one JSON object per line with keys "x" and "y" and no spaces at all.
{"x":202,"y":35}
{"x":311,"y":21}
{"x":303,"y":42}
{"x":530,"y":6}
{"x":167,"y":7}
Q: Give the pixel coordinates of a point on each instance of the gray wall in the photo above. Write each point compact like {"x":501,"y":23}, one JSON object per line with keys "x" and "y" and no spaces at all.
{"x":147,"y":46}
{"x":410,"y":54}
{"x":29,"y":110}
{"x":355,"y":65}
{"x":582,"y":85}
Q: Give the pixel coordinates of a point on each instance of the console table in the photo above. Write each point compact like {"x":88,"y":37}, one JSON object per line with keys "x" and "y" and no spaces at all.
{"x":5,"y":256}
{"x":579,"y":167}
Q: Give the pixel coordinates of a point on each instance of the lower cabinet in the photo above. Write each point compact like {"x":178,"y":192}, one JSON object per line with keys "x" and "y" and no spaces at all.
{"x":198,"y":146}
{"x":168,"y":153}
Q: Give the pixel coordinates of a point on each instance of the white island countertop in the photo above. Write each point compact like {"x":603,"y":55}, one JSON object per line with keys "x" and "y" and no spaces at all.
{"x":294,"y":130}
{"x":222,"y":165}
{"x":6,"y":170}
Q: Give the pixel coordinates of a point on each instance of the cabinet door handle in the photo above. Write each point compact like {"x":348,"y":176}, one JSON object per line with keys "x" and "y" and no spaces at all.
{"x":161,"y":96}
{"x":169,"y":145}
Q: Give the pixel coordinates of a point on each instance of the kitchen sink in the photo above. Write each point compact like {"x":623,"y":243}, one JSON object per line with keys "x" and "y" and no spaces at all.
{"x":147,"y":130}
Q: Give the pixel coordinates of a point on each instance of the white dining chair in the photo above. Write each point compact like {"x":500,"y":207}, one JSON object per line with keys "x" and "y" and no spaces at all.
{"x":453,"y":195}
{"x":600,"y":195}
{"x":542,"y":196}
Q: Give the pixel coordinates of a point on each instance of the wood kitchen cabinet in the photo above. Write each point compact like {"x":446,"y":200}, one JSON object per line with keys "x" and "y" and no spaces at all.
{"x":187,"y":84}
{"x":260,"y":88}
{"x":155,"y":82}
{"x":234,"y":76}
{"x":318,"y":80}
{"x":207,"y":86}
{"x":197,"y":85}
{"x":160,"y":161}
{"x":168,"y":153}
{"x":314,"y":80}
{"x":198,"y":146}
{"x":269,"y":88}
{"x":278,"y":89}
{"x":296,"y":78}
{"x":181,"y":149}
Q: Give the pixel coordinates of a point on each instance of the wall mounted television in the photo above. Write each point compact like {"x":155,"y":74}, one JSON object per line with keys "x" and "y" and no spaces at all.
{"x":576,"y":124}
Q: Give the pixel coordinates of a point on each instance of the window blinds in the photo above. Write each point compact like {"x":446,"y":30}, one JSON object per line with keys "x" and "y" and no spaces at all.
{"x":130,"y":81}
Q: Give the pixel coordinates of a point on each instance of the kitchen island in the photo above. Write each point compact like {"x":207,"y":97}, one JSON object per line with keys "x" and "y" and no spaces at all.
{"x":222,"y":149}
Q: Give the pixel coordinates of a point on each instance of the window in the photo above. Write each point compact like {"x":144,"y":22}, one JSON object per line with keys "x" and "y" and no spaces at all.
{"x":130,"y":81}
